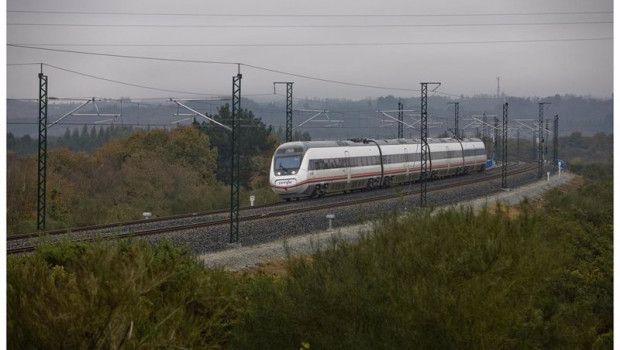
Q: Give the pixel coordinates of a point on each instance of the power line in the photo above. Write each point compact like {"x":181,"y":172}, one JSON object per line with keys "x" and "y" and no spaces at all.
{"x":192,"y":26}
{"x":38,"y":46}
{"x":312,"y":15}
{"x":23,"y":64}
{"x":211,"y":62}
{"x":122,"y":56}
{"x":122,"y":82}
{"x":327,"y":80}
{"x":282,"y":72}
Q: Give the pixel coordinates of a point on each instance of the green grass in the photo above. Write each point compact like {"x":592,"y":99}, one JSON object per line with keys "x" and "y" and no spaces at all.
{"x":452,"y":280}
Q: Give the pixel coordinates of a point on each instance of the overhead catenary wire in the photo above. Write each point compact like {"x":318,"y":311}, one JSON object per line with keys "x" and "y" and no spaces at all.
{"x":123,"y":83}
{"x":254,"y":26}
{"x":40,"y":46}
{"x":239,"y":64}
{"x":311,"y":15}
{"x":220,"y":62}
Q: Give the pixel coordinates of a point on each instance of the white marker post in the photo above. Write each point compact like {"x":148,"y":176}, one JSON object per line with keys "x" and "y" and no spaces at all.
{"x":330,"y":217}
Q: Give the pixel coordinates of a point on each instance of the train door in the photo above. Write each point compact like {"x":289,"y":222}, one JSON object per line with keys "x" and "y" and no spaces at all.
{"x":417,"y":162}
{"x":347,"y":162}
{"x":448,"y":159}
{"x":407,"y":165}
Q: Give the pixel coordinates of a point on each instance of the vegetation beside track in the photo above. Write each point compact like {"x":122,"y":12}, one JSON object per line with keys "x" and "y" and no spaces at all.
{"x":158,"y":171}
{"x":540,"y":279}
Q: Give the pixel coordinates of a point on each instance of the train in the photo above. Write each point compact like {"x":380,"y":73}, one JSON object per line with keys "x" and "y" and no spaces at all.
{"x":309,"y":169}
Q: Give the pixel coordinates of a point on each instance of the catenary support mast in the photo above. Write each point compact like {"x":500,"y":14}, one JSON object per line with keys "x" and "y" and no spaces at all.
{"x":400,"y":120}
{"x":424,"y":147}
{"x":505,"y":145}
{"x":541,"y":137}
{"x":234,"y":169}
{"x":289,"y":109}
{"x":42,"y":157}
{"x":556,"y":122}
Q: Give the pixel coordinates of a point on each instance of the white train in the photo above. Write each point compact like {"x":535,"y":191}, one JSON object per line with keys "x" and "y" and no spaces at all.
{"x":315,"y":168}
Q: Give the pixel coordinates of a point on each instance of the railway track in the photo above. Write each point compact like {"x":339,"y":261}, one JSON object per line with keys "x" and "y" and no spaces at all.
{"x":205,"y":220}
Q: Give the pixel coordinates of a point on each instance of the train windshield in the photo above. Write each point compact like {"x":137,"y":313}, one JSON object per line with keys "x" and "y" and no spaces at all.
{"x":287,"y":164}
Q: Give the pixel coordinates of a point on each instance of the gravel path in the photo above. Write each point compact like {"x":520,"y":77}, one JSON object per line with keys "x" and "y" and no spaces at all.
{"x":241,"y":257}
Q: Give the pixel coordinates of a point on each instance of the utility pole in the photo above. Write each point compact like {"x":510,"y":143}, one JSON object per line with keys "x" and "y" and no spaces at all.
{"x":289,"y":109}
{"x":541,"y":106}
{"x":505,"y":145}
{"x":425,"y":149}
{"x":42,"y":177}
{"x":457,"y":133}
{"x":400,"y":120}
{"x":234,"y":169}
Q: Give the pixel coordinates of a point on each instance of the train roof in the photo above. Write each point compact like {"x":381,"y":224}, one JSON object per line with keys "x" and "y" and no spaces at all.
{"x":364,"y":142}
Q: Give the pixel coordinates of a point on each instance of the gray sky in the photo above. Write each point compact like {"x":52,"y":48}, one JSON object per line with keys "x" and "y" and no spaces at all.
{"x":395,"y":44}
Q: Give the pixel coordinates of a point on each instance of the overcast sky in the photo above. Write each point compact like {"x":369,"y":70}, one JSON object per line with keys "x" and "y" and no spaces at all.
{"x":330,"y":49}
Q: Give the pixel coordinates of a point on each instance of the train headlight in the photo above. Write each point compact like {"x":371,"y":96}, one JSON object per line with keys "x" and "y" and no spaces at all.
{"x":293,"y":172}
{"x":279,"y":173}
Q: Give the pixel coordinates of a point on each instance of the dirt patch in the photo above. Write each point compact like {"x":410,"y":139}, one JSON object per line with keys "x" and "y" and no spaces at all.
{"x":513,"y":211}
{"x":273,"y":268}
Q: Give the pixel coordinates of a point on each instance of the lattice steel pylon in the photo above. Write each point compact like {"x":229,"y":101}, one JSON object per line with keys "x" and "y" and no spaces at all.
{"x":495,"y":138}
{"x":400,"y":120}
{"x":505,"y":145}
{"x":289,"y":109}
{"x":424,"y":147}
{"x":42,"y":157}
{"x":541,"y":138}
{"x":547,"y":143}
{"x":234,"y":169}
{"x":556,"y":122}
{"x":485,"y":127}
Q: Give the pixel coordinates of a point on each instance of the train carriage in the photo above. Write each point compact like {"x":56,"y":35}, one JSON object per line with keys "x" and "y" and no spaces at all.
{"x":315,"y":168}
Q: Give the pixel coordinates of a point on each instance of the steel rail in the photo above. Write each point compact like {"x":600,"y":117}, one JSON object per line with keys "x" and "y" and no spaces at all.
{"x":276,"y":213}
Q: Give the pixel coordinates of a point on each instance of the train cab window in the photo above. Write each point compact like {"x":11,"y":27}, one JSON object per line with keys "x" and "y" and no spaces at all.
{"x":287,"y":165}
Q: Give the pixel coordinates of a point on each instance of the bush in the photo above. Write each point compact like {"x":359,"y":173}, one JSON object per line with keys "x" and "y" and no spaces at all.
{"x":446,"y":280}
{"x":118,"y":294}
{"x":451,"y":280}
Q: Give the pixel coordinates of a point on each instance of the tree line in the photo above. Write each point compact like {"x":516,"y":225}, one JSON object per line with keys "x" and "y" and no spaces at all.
{"x":84,"y":140}
{"x":166,"y":172}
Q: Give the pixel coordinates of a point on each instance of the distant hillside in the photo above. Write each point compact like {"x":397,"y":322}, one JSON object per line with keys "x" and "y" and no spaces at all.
{"x":331,"y":118}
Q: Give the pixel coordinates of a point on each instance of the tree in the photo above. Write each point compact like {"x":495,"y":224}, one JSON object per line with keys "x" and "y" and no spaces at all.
{"x":254,"y":141}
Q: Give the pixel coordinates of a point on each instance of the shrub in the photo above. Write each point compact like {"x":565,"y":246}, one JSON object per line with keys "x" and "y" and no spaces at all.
{"x":117,"y":294}
{"x":453,"y":279}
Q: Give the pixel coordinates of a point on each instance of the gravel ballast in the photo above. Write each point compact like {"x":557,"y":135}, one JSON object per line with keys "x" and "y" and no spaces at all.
{"x":289,"y":239}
